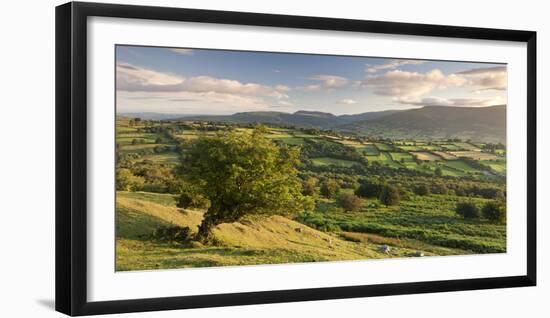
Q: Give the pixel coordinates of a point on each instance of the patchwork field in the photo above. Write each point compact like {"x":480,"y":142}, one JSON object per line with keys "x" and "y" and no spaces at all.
{"x":417,"y":225}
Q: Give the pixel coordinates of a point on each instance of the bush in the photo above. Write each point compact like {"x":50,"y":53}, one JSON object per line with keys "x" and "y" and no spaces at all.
{"x":368,"y":189}
{"x":329,"y":188}
{"x":127,"y":181}
{"x":350,"y":202}
{"x":494,"y":211}
{"x":308,"y":186}
{"x":421,"y":189}
{"x":389,"y":195}
{"x":467,"y":210}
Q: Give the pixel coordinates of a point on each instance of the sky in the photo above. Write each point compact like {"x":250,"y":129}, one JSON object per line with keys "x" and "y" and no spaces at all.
{"x":207,"y":82}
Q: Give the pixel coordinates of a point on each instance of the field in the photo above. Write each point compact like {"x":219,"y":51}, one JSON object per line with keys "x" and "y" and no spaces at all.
{"x":151,"y":152}
{"x":426,"y":156}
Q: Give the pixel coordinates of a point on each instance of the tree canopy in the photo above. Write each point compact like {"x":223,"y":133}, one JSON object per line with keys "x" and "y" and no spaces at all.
{"x":243,"y":174}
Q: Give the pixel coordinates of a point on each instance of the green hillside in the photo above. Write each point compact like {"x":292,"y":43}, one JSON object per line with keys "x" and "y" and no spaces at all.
{"x":486,"y":124}
{"x":272,"y":240}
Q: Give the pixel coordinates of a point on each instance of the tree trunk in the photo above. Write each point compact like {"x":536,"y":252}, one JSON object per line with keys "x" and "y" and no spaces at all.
{"x":204,"y":235}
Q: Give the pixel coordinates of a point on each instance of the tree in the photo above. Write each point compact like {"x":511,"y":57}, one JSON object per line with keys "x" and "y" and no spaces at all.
{"x":438,"y":172}
{"x":494,"y":211}
{"x":242,"y":174}
{"x":467,"y":210}
{"x":421,"y":189}
{"x":158,"y":140}
{"x":350,"y":202}
{"x":330,"y":188}
{"x":389,"y":195}
{"x":368,"y":189}
{"x":308,"y":186}
{"x":127,"y":181}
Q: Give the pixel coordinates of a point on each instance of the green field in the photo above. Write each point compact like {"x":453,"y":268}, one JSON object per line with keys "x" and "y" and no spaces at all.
{"x":370,"y":150}
{"x":383,"y":146}
{"x":417,"y":224}
{"x":325,"y":161}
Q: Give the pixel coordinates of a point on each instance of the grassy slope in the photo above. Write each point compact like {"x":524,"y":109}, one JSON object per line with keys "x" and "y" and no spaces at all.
{"x":271,"y":240}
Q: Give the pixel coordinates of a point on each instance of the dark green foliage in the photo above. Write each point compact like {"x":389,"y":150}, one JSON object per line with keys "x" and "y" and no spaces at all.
{"x":127,"y":181}
{"x":389,"y":195}
{"x":421,"y":189}
{"x":467,"y":210}
{"x":192,"y":199}
{"x":438,"y":172}
{"x":242,"y":174}
{"x":439,"y":188}
{"x":368,"y":189}
{"x":324,"y":148}
{"x":329,"y":188}
{"x":349,"y":202}
{"x":308,"y":186}
{"x":172,"y":234}
{"x":494,"y":211}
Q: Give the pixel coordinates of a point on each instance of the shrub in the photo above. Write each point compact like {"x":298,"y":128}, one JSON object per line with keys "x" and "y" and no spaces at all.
{"x":439,"y":188}
{"x":308,"y":186}
{"x":467,"y":210}
{"x":329,"y":188}
{"x":494,"y":211}
{"x":350,"y":202}
{"x":127,"y":181}
{"x":421,"y":189}
{"x":368,"y":189}
{"x":389,"y":195}
{"x":172,"y":234}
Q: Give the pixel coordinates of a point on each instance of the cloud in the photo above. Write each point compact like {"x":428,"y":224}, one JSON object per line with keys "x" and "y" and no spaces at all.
{"x":440,"y":101}
{"x":392,"y":64}
{"x":326,"y":82}
{"x":488,"y":78}
{"x":182,"y":51}
{"x":347,"y":101}
{"x":135,"y":79}
{"x":411,"y":84}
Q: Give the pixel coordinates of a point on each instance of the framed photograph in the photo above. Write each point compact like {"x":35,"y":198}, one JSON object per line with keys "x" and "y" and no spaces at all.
{"x":209,"y":158}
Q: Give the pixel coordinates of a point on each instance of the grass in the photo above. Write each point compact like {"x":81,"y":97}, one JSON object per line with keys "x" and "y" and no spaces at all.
{"x":370,"y":149}
{"x":258,"y":241}
{"x":430,"y":220}
{"x":426,"y":156}
{"x":498,"y":165}
{"x":325,"y":161}
{"x":383,"y":147}
{"x":397,"y":156}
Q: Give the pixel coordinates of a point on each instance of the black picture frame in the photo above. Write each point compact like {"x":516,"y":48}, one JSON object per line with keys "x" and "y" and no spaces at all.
{"x":71,"y":157}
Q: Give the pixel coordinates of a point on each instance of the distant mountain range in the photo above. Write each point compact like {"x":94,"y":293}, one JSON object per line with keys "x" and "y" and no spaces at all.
{"x":302,"y":118}
{"x":485,"y":124}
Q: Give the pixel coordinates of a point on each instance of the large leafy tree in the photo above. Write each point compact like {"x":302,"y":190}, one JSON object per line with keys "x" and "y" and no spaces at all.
{"x":243,"y":174}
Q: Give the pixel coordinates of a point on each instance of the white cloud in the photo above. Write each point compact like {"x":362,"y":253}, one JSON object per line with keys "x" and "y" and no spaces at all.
{"x":327,"y":82}
{"x":488,"y":78}
{"x":182,"y":51}
{"x":140,"y":88}
{"x":440,"y":101}
{"x":132,"y":78}
{"x":411,"y":84}
{"x":392,"y":64}
{"x":347,"y":101}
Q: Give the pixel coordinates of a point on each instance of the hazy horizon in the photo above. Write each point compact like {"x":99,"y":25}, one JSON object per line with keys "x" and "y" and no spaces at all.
{"x":220,"y":82}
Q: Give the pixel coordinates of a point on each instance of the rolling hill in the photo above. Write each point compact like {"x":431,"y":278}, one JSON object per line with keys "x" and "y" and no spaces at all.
{"x":484,"y":124}
{"x":302,"y":118}
{"x":487,"y":124}
{"x":262,"y":241}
